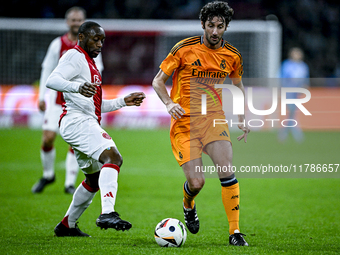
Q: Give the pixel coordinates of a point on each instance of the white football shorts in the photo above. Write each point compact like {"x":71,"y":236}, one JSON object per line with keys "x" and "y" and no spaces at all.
{"x":52,"y":113}
{"x":87,"y":138}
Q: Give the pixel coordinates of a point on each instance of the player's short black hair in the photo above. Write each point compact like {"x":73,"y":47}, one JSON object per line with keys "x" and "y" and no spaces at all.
{"x":216,"y":8}
{"x":77,"y":9}
{"x":87,"y":26}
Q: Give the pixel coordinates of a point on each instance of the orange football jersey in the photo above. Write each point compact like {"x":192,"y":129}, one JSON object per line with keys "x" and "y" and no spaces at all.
{"x":197,"y":69}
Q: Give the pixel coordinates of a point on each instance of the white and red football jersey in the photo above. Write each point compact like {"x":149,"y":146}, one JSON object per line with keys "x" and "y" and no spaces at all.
{"x":74,"y":69}
{"x":58,"y":47}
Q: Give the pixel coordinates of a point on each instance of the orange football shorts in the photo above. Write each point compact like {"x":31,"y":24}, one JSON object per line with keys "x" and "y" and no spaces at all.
{"x":189,"y":135}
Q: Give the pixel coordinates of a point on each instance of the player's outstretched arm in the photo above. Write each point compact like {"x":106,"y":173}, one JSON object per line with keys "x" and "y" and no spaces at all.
{"x":135,"y":98}
{"x":158,"y":83}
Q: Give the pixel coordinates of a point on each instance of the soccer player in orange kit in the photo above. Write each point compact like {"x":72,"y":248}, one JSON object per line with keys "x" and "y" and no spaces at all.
{"x":197,"y":63}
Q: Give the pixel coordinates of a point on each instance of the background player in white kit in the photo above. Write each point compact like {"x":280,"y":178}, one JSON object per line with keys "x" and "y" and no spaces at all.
{"x":78,"y":77}
{"x":74,"y":16}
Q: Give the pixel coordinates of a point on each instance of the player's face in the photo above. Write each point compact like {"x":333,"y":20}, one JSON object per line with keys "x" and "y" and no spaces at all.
{"x":74,"y":21}
{"x":93,"y":41}
{"x":213,"y":32}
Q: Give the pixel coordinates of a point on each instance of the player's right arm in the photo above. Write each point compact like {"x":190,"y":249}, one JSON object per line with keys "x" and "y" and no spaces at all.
{"x":236,"y":78}
{"x":70,"y":65}
{"x":158,"y":83}
{"x":50,"y":62}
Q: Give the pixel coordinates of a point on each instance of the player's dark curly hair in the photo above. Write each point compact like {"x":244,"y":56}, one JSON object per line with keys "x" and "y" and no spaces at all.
{"x":86,"y":27}
{"x":217,"y":8}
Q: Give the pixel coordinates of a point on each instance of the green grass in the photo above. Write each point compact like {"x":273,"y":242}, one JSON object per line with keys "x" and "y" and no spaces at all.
{"x":279,"y":215}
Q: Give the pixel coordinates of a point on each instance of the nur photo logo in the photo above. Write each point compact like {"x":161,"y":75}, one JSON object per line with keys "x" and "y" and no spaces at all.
{"x":239,"y":102}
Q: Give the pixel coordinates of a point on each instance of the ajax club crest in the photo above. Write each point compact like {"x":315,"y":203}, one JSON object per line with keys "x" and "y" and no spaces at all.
{"x":96,"y":79}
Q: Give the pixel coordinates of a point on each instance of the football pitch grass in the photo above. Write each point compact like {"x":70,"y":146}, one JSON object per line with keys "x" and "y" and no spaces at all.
{"x":278,"y":215}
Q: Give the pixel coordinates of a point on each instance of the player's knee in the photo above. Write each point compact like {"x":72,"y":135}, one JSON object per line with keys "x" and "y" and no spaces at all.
{"x":196,"y":185}
{"x":119,"y":160}
{"x":116,"y":159}
{"x":92,"y":180}
{"x":111,"y":157}
{"x":48,"y":139}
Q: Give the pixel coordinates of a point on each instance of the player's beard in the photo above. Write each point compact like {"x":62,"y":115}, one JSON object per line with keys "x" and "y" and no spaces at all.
{"x":211,"y":42}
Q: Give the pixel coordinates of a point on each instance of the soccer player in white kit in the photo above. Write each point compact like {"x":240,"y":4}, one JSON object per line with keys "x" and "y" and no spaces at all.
{"x":97,"y":155}
{"x":74,"y":16}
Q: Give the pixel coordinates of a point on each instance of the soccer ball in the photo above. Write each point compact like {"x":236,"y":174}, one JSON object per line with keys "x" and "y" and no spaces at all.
{"x":170,"y":233}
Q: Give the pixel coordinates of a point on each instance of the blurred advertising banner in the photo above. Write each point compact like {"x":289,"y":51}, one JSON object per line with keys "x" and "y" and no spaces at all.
{"x":19,"y":107}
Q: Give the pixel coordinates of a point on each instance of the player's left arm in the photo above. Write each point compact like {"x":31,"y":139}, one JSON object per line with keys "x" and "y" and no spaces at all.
{"x":133,"y":99}
{"x":241,"y":118}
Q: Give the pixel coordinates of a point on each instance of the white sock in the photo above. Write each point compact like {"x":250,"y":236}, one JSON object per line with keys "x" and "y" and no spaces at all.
{"x":82,"y":198}
{"x":108,"y":185}
{"x":47,"y":160}
{"x":72,"y":169}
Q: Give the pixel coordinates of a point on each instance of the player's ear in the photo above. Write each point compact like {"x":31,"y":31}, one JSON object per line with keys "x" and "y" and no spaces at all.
{"x":81,"y":36}
{"x":203,"y":26}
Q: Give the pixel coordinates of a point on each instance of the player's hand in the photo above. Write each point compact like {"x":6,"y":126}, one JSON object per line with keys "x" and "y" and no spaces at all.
{"x":42,"y":105}
{"x":88,"y":89}
{"x":135,"y":98}
{"x":246,"y":131}
{"x":175,"y":110}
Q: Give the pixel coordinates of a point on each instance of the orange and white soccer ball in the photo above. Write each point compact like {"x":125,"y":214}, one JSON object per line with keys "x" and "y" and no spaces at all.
{"x":170,"y":233}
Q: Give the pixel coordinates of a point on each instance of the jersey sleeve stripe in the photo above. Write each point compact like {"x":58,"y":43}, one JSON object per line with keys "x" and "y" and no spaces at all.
{"x":184,"y":43}
{"x":189,"y":41}
{"x":193,"y":38}
{"x":233,"y":49}
{"x":231,"y":46}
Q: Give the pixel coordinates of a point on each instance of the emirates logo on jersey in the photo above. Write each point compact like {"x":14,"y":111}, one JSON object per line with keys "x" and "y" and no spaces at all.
{"x":97,"y":79}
